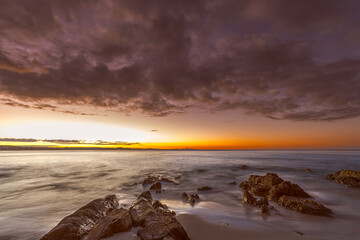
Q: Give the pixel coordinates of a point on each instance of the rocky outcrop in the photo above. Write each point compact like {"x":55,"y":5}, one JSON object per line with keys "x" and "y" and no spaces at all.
{"x":141,"y":208}
{"x":192,"y":199}
{"x":162,"y":225}
{"x":76,"y":225}
{"x":101,"y":219}
{"x":262,"y":203}
{"x":348,"y":177}
{"x":116,"y":221}
{"x":272,"y":187}
{"x":206,"y":188}
{"x":304,"y":206}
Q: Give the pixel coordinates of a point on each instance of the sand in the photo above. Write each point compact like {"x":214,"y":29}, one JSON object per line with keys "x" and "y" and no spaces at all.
{"x":198,"y":228}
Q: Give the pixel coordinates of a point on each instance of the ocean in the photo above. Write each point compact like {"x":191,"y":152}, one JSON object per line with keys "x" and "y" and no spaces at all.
{"x":39,"y":188}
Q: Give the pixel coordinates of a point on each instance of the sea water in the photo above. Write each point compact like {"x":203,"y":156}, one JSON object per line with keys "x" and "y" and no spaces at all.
{"x":39,"y":188}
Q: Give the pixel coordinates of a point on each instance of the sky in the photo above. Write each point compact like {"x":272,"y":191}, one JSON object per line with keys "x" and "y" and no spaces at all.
{"x":217,"y":74}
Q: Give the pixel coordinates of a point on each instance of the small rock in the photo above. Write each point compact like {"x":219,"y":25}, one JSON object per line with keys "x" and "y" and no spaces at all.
{"x":244,"y":167}
{"x":195,"y":196}
{"x":300,"y":233}
{"x":201,"y":170}
{"x":150,"y":180}
{"x":308,"y":170}
{"x":192,"y":201}
{"x":206,"y":188}
{"x":232,"y":183}
{"x":155,"y":186}
{"x":185,"y":196}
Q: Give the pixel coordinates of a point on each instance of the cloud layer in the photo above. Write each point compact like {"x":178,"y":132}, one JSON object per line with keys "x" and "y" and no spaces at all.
{"x":298,"y":61}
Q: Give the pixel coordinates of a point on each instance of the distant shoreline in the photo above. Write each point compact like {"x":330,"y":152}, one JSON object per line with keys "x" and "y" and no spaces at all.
{"x":35,"y":148}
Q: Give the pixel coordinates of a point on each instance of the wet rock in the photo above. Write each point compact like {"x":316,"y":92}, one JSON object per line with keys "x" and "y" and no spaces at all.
{"x":244,"y":167}
{"x":169,"y":180}
{"x":192,"y":201}
{"x":116,"y":221}
{"x":308,"y":170}
{"x":304,"y":206}
{"x":155,"y":186}
{"x":201,"y":170}
{"x":159,"y":207}
{"x":185,"y":196}
{"x":206,"y":188}
{"x":347,"y":177}
{"x":195,"y":196}
{"x":262,"y":203}
{"x":79,"y":223}
{"x":141,"y":208}
{"x":286,"y":194}
{"x":159,"y":226}
{"x":248,"y":198}
{"x":150,"y":180}
{"x":232,"y":183}
{"x":286,"y":188}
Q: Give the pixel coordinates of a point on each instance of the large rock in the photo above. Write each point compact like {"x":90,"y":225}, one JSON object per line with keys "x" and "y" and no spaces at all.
{"x":286,"y":188}
{"x":286,"y":194}
{"x":79,"y":223}
{"x":116,"y":221}
{"x":161,"y":225}
{"x":304,"y":206}
{"x":155,"y":186}
{"x":141,"y":208}
{"x":348,"y":177}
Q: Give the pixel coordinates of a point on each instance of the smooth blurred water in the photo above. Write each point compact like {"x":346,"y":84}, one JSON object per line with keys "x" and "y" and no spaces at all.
{"x":39,"y":188}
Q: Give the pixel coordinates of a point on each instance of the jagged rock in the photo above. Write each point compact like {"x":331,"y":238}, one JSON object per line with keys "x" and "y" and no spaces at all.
{"x":347,"y":177}
{"x":232,"y":183}
{"x":159,"y":225}
{"x":262,"y":203}
{"x":286,"y":188}
{"x":155,"y":186}
{"x":248,"y":198}
{"x":185,"y":196}
{"x":308,"y":170}
{"x":150,"y":179}
{"x":304,"y":206}
{"x":79,"y":223}
{"x":159,"y":207}
{"x":169,"y":180}
{"x":206,"y":188}
{"x":286,"y":194}
{"x":192,"y":199}
{"x":141,"y":208}
{"x":116,"y":221}
{"x":195,"y":196}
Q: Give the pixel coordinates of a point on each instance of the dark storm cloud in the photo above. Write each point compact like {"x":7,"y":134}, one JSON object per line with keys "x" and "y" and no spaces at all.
{"x":294,"y":60}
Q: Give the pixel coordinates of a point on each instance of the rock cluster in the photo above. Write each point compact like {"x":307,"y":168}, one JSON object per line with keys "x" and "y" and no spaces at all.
{"x":192,"y":199}
{"x":272,"y":187}
{"x":348,"y":177}
{"x":101,"y":218}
